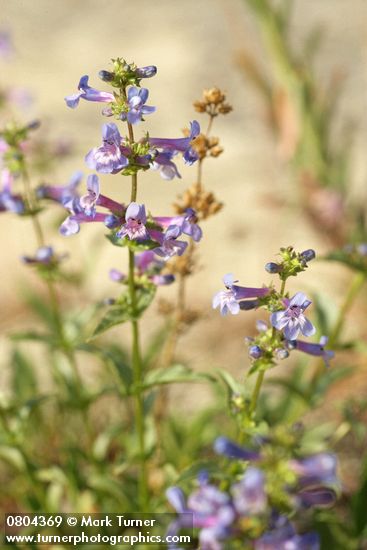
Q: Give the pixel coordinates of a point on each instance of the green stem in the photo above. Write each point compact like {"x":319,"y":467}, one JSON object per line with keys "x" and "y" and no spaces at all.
{"x":255,"y":394}
{"x":137,"y":364}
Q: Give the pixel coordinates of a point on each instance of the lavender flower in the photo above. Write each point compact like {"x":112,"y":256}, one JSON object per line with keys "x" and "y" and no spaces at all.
{"x":136,"y":218}
{"x":187,"y":223}
{"x":44,"y":255}
{"x":169,"y":245}
{"x":61,"y":193}
{"x":182,"y":145}
{"x":226,"y":447}
{"x":116,"y":276}
{"x":88,"y":202}
{"x":249,"y":494}
{"x":284,"y":537}
{"x":292,"y":320}
{"x":136,"y":99}
{"x":229,"y":300}
{"x":6,"y":46}
{"x":88,"y":93}
{"x":71,"y":225}
{"x":107,"y":159}
{"x":8,"y":201}
{"x":167,"y":168}
{"x":317,"y":350}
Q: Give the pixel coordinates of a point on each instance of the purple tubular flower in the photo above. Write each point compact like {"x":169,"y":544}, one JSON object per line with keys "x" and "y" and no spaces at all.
{"x":167,"y":168}
{"x":182,"y":145}
{"x":146,"y":72}
{"x":71,"y":225}
{"x":316,"y":497}
{"x":6,"y":47}
{"x":291,"y":320}
{"x":136,"y":99}
{"x":228,"y":300}
{"x":44,"y":255}
{"x":145,"y":260}
{"x":226,"y":447}
{"x":187,"y":223}
{"x":116,"y":275}
{"x":317,"y":350}
{"x":162,"y":280}
{"x":88,"y":202}
{"x":8,"y":201}
{"x":284,"y":537}
{"x":319,"y":469}
{"x":169,"y":245}
{"x":134,"y":228}
{"x":88,"y":93}
{"x":107,"y":159}
{"x":61,"y":193}
{"x":249,"y":494}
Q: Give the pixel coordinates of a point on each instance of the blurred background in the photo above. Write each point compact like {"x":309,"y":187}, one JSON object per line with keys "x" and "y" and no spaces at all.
{"x":195,"y":45}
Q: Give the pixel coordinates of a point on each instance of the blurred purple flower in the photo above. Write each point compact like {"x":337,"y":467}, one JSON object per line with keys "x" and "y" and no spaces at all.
{"x":44,"y":256}
{"x":284,"y":537}
{"x":228,"y":300}
{"x":292,"y":320}
{"x":61,"y":193}
{"x":226,"y":447}
{"x":136,"y":99}
{"x":8,"y":201}
{"x":6,"y":46}
{"x":88,"y":202}
{"x":134,"y":228}
{"x":249,"y":494}
{"x":107,"y":159}
{"x":167,"y":168}
{"x":116,"y":275}
{"x":88,"y":93}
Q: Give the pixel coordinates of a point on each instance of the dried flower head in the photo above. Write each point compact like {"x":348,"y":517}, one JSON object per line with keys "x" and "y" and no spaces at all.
{"x":203,"y":202}
{"x":213,"y":103}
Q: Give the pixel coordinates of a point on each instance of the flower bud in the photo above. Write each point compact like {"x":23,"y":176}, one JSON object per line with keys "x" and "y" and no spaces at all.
{"x":272,"y":267}
{"x":308,"y":255}
{"x":255,"y":352}
{"x":261,"y":326}
{"x":106,"y":76}
{"x":281,"y":353}
{"x":112,"y":221}
{"x":146,"y":72}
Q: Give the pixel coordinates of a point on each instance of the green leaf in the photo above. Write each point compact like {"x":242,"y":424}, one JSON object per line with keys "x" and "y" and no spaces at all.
{"x":13,"y":456}
{"x":353,"y":260}
{"x":123,"y":311}
{"x":232,"y":385}
{"x":31,"y":335}
{"x":174,"y":375}
{"x":24,"y":382}
{"x":359,"y":502}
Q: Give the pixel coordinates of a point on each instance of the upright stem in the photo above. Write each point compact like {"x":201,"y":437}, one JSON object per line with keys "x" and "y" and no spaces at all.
{"x":137,"y":364}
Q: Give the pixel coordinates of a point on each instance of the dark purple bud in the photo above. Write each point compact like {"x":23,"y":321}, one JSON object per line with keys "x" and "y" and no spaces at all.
{"x":272,"y":267}
{"x":223,"y":446}
{"x":255,"y":352}
{"x":34,"y":125}
{"x":292,"y":344}
{"x":308,"y":255}
{"x":281,"y":353}
{"x":106,"y":76}
{"x":112,"y":221}
{"x":108,"y":301}
{"x":146,"y":72}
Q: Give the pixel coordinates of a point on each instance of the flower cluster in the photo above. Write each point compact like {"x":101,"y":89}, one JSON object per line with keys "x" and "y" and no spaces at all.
{"x":253,"y":506}
{"x":118,"y":154}
{"x":287,"y":314}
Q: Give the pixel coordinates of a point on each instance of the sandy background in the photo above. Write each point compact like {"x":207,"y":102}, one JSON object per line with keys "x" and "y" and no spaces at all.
{"x":194,"y":44}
